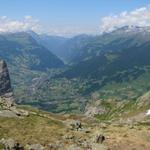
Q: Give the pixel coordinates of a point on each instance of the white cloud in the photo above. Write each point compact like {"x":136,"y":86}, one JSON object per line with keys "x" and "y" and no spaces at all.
{"x":28,"y":23}
{"x":137,"y":17}
{"x":70,"y":30}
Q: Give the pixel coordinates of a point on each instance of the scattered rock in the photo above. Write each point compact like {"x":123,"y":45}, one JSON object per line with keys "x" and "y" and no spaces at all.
{"x":131,"y":126}
{"x":87,"y":131}
{"x":98,"y":147}
{"x":103,"y":125}
{"x":100,"y":139}
{"x":18,"y":147}
{"x":57,"y":146}
{"x":10,"y":144}
{"x":74,"y":147}
{"x":74,"y":124}
{"x":7,"y":113}
{"x":69,"y":137}
{"x":21,"y":112}
{"x":77,"y":125}
{"x":35,"y":147}
{"x":92,"y":111}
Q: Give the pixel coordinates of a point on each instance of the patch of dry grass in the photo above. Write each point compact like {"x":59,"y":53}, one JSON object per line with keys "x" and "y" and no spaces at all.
{"x":31,"y":129}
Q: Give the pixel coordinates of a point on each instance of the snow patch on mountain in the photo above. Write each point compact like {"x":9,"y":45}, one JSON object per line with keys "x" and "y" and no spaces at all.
{"x":148,"y":112}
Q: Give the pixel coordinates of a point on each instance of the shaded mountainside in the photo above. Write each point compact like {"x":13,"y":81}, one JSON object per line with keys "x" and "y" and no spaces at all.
{"x":68,"y":49}
{"x":118,"y":40}
{"x":110,"y":63}
{"x":53,"y":43}
{"x":20,"y":49}
{"x":84,"y":47}
{"x":74,"y":48}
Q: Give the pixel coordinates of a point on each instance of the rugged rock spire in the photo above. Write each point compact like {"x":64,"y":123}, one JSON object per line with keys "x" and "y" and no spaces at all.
{"x":6,"y":94}
{"x":5,"y":83}
{"x":7,"y":104}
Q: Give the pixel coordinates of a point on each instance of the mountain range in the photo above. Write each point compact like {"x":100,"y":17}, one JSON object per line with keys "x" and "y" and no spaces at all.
{"x":113,"y":65}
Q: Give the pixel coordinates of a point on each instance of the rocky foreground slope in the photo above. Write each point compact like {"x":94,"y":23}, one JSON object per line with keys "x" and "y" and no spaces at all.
{"x":108,"y":125}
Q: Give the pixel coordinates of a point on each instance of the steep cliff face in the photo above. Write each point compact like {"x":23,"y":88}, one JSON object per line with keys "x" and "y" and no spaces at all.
{"x":6,"y":94}
{"x":5,"y":83}
{"x":7,"y":105}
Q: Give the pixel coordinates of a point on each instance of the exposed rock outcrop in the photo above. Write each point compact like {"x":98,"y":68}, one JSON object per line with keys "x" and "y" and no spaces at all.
{"x":6,"y":94}
{"x":7,"y":104}
{"x":11,"y":144}
{"x":35,"y":147}
{"x":74,"y":124}
{"x":5,"y":83}
{"x":94,"y":109}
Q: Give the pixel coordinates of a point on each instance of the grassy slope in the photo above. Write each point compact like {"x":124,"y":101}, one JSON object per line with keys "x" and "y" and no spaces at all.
{"x":127,"y":90}
{"x":44,"y":128}
{"x":31,"y":129}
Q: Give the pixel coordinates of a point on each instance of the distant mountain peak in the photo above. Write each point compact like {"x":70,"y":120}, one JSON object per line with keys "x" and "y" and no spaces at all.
{"x":133,"y":29}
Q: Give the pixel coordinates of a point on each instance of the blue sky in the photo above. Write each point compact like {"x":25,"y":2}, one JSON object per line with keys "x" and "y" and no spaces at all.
{"x":63,"y":14}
